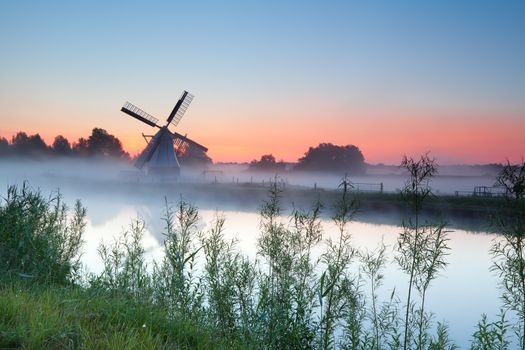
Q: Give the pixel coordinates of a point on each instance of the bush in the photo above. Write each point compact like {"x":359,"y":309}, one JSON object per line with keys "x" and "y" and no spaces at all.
{"x":38,"y":241}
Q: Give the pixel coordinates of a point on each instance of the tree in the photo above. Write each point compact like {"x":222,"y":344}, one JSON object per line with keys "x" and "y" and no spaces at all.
{"x":4,"y":146}
{"x":81,"y":147}
{"x":267,"y":163}
{"x":61,"y":146}
{"x":194,"y":158}
{"x":100,"y":143}
{"x":329,"y":157}
{"x":23,"y":144}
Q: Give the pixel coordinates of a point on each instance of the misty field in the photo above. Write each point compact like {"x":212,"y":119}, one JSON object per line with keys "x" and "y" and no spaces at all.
{"x":307,"y":285}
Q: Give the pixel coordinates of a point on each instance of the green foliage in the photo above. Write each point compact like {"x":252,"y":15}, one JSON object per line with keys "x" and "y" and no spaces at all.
{"x":373,"y":264}
{"x":220,"y":277}
{"x":77,"y":318}
{"x":125,"y":271}
{"x":421,"y":249}
{"x":338,"y":290}
{"x":442,"y":340}
{"x":38,"y":239}
{"x":491,"y":335}
{"x":287,"y":291}
{"x":175,"y":283}
{"x":508,"y":251}
{"x":206,"y":294}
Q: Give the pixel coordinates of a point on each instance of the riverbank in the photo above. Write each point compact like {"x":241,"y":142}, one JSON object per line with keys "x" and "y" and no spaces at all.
{"x":53,"y":317}
{"x":467,"y":213}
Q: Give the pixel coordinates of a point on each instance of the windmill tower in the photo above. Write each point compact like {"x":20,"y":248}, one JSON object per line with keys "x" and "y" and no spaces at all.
{"x":160,"y":155}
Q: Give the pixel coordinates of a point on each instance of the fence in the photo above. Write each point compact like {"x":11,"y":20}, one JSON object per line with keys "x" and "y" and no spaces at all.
{"x":484,"y":192}
{"x":367,"y":187}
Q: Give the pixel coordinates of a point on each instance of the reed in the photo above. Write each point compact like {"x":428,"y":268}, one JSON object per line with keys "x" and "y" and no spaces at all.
{"x":204,"y":293}
{"x":421,"y":249}
{"x":508,"y":250}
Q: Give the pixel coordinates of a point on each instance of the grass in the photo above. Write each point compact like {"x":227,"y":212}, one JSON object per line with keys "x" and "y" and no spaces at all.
{"x":53,"y":317}
{"x":205,"y":294}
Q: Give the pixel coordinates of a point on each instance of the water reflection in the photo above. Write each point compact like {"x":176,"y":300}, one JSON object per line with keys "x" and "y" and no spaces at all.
{"x":464,"y":291}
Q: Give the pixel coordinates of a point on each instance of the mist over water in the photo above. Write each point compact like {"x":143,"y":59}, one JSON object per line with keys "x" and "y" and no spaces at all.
{"x":449,"y":180}
{"x":465,"y":290}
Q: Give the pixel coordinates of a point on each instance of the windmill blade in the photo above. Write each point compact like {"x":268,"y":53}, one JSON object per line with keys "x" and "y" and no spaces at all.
{"x":145,"y":156}
{"x":180,"y":108}
{"x":139,"y":114}
{"x":185,"y":144}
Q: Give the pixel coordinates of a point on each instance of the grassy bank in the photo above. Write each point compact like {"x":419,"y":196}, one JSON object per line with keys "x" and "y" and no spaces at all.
{"x":51,"y":317}
{"x":461,"y":212}
{"x":204,"y":293}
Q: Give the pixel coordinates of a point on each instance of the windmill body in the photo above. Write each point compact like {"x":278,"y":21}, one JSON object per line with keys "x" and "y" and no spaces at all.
{"x":159,"y":157}
{"x":164,"y":160}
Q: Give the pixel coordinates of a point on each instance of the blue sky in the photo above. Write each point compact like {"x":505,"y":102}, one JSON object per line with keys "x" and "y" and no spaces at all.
{"x":66,"y":66}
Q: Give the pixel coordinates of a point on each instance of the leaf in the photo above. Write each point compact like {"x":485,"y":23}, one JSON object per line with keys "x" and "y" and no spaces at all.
{"x":191,"y":256}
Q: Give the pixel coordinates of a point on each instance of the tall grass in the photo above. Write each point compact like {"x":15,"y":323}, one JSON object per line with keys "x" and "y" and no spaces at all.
{"x":301,"y":291}
{"x":422,"y":248}
{"x":508,"y":250}
{"x":39,"y":240}
{"x":338,"y":290}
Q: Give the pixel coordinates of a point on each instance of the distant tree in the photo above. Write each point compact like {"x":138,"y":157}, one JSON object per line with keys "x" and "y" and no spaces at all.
{"x":100,"y":143}
{"x":81,"y":148}
{"x":23,"y":144}
{"x":195,"y":158}
{"x":4,"y":146}
{"x":329,"y":157}
{"x":61,"y":146}
{"x":267,"y":163}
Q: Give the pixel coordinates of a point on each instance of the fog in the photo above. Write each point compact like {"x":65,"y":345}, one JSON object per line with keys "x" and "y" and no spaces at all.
{"x":451,"y":178}
{"x":114,"y":193}
{"x":106,"y":186}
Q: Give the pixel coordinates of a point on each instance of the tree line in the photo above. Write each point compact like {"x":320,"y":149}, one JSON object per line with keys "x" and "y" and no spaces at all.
{"x":99,"y":144}
{"x":326,"y":157}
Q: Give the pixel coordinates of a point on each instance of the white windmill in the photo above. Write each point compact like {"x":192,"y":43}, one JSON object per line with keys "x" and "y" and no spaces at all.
{"x":160,"y":155}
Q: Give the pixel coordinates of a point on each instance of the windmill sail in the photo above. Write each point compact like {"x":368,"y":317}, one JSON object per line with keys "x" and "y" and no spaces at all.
{"x":160,"y":155}
{"x":139,"y":114}
{"x":185,"y":144}
{"x":180,"y":108}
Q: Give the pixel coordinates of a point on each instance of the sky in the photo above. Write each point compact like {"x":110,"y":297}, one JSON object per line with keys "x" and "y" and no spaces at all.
{"x":273,"y":76}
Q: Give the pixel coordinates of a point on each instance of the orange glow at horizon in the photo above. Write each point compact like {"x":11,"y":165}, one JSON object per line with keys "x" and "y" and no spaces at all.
{"x":383,"y":136}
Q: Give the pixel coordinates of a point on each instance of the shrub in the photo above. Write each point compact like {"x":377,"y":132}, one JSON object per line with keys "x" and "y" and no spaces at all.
{"x":38,"y":239}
